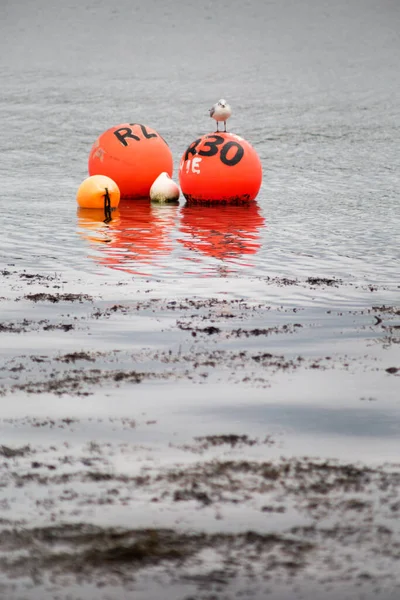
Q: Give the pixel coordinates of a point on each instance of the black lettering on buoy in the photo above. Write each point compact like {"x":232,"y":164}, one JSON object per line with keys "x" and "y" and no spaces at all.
{"x":125,"y":132}
{"x":212,"y":145}
{"x":146,"y":134}
{"x":237,"y":157}
{"x":192,"y":149}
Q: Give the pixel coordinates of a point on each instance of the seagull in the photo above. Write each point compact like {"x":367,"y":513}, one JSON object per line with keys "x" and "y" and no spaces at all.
{"x":221,"y":111}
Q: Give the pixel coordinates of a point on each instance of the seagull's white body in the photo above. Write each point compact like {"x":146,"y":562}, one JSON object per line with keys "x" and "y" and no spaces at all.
{"x":164,"y":189}
{"x":221,"y":111}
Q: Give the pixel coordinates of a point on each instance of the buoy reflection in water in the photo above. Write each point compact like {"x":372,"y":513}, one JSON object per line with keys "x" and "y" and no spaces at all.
{"x":93,"y":225}
{"x":139,"y":233}
{"x":222,"y":231}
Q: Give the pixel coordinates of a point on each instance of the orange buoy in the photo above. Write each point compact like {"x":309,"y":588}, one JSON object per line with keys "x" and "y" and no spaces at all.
{"x":93,"y":191}
{"x":220,"y":168}
{"x":133,"y":155}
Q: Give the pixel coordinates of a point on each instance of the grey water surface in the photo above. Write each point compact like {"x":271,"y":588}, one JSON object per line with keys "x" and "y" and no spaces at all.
{"x":314,"y":262}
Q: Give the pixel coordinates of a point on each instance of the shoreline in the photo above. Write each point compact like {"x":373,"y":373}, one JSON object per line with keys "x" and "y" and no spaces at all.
{"x":127,"y":471}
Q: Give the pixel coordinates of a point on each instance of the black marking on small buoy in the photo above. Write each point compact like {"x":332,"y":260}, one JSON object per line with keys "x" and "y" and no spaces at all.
{"x":107,"y":207}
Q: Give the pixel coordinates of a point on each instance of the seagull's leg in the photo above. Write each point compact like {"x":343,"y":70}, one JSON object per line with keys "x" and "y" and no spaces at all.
{"x":225,"y":126}
{"x":217,"y":127}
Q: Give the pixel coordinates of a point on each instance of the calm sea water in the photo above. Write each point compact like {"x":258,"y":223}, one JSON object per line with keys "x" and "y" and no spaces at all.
{"x":315,"y":88}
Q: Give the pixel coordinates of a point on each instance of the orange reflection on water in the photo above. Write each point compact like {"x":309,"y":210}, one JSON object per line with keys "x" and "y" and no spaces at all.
{"x":138,"y":232}
{"x":92,"y":225}
{"x":222,"y":231}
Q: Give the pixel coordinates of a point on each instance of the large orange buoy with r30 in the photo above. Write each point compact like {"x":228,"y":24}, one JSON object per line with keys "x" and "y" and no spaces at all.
{"x":133,"y":155}
{"x":220,"y":168}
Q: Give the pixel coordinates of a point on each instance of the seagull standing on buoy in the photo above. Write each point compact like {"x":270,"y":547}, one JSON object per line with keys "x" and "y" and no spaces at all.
{"x":221,"y":111}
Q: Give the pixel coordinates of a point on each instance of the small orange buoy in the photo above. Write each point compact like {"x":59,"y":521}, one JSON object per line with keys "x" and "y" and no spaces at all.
{"x":220,"y":168}
{"x":133,"y":155}
{"x":93,"y":192}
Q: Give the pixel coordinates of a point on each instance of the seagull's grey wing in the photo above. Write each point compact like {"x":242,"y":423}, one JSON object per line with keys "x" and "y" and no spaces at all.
{"x":212,"y":111}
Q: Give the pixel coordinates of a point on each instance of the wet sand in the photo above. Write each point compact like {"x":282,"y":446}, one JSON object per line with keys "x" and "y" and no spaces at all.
{"x":98,"y":506}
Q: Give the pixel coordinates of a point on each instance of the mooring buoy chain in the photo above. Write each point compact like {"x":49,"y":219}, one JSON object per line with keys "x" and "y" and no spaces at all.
{"x":107,"y":207}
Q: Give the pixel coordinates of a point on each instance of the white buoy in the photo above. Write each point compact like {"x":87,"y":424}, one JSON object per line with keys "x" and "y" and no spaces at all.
{"x":164,"y":189}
